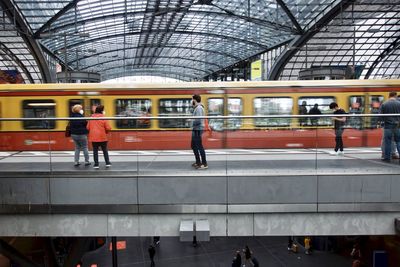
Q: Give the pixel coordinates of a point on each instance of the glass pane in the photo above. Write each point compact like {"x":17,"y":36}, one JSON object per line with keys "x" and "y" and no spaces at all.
{"x":356,"y":106}
{"x":375,"y":104}
{"x":175,"y":107}
{"x":39,"y":109}
{"x":216,"y":108}
{"x":73,"y":102}
{"x":235,"y":109}
{"x":272,"y":106}
{"x":133,"y":108}
{"x":316,"y":106}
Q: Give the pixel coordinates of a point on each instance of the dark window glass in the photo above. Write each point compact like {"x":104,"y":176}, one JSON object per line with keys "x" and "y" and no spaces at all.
{"x":39,"y":109}
{"x":356,"y":106}
{"x":73,"y":102}
{"x":133,"y":108}
{"x":272,"y":106}
{"x":375,"y":104}
{"x":93,"y":104}
{"x":175,"y":107}
{"x":314,"y":106}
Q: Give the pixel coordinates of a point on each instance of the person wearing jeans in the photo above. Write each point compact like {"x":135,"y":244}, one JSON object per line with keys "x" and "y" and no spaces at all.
{"x":98,"y":130}
{"x":391,"y":125}
{"x":197,"y":131}
{"x":79,"y":135}
{"x":339,"y":124}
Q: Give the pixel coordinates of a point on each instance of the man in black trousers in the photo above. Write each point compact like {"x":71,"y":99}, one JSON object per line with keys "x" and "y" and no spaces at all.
{"x":152,"y":252}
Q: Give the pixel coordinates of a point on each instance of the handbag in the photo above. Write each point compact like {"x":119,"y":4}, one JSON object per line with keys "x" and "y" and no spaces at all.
{"x":68,"y":130}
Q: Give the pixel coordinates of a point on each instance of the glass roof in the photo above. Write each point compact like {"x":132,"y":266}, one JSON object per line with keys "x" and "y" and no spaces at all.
{"x":193,"y":39}
{"x":203,"y":36}
{"x":366,"y":36}
{"x":14,"y":52}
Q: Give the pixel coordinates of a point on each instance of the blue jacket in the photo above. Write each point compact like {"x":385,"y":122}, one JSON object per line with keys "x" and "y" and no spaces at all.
{"x":78,"y":126}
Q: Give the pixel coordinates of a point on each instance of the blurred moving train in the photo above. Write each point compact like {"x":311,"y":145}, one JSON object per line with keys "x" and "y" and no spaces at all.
{"x":228,"y":98}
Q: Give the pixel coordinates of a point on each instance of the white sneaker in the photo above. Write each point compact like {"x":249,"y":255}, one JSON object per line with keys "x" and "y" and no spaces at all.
{"x":334,"y":153}
{"x":340,"y":153}
{"x":95,"y":166}
{"x":108,"y":165}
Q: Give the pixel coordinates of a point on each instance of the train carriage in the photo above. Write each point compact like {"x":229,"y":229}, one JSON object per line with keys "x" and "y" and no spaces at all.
{"x":166,"y":100}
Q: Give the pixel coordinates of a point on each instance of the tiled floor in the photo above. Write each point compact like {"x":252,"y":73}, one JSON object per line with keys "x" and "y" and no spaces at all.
{"x":219,"y":252}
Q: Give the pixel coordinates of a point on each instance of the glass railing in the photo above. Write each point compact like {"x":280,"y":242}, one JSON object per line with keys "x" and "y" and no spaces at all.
{"x":234,"y":145}
{"x":261,"y":161}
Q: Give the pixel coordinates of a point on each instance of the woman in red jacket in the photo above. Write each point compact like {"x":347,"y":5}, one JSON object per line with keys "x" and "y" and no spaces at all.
{"x":98,"y":130}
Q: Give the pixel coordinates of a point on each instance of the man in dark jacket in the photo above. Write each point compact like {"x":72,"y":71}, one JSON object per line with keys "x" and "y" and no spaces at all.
{"x":314,"y":111}
{"x":79,"y":134}
{"x":339,"y":127}
{"x":391,"y":124}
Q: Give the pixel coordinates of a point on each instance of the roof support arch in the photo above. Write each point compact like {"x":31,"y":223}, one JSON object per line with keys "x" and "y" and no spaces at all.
{"x":299,"y":41}
{"x":392,"y":47}
{"x":14,"y":58}
{"x":22,"y":26}
{"x":291,"y":16}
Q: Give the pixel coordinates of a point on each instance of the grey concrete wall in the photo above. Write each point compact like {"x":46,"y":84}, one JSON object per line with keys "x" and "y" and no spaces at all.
{"x":199,"y":194}
{"x":381,"y":223}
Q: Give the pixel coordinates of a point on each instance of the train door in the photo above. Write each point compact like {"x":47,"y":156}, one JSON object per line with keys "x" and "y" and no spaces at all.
{"x":215,"y":107}
{"x":356,"y":105}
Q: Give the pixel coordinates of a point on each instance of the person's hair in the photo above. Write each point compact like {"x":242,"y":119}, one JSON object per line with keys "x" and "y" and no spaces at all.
{"x":197,"y":98}
{"x":315,"y":105}
{"x":333,"y":105}
{"x":76,"y":108}
{"x":392,"y":94}
{"x":99,"y":109}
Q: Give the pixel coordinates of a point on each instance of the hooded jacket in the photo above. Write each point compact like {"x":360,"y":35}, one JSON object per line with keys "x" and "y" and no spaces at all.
{"x":98,"y":129}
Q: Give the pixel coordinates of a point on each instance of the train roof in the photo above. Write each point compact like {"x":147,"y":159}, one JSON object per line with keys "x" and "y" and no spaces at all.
{"x":199,"y":85}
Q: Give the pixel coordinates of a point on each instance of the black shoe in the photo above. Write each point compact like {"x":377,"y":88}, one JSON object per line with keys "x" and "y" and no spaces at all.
{"x":88,"y":163}
{"x":386,"y":160}
{"x":77,"y":164}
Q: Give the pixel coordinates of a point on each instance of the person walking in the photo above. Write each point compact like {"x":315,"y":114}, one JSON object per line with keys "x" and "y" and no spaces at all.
{"x":98,"y":130}
{"x":247,"y":255}
{"x":303,"y":111}
{"x":339,"y":127}
{"x":79,"y":135}
{"x":237,"y":260}
{"x":197,"y":131}
{"x":152,"y":253}
{"x":391,"y":125}
{"x":307,"y":245}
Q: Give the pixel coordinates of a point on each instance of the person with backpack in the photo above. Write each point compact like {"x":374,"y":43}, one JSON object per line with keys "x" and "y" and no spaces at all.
{"x":339,"y":128}
{"x":197,"y":131}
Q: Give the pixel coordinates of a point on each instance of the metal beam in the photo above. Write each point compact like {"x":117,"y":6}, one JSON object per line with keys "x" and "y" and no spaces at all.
{"x":266,"y":23}
{"x":14,"y":58}
{"x":291,"y":16}
{"x":22,"y":26}
{"x":298,"y":42}
{"x":147,"y":67}
{"x":56,"y":16}
{"x":157,"y":46}
{"x":392,"y":47}
{"x":217,"y":36}
{"x":170,"y":74}
{"x":14,"y":255}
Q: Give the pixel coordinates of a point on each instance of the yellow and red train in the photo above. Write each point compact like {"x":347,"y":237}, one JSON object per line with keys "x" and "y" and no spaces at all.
{"x":228,"y":98}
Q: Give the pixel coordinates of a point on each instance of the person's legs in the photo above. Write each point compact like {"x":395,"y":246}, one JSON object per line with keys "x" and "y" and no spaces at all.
{"x":340,"y":139}
{"x":388,"y":133}
{"x":337,"y":140}
{"x":397,"y":139}
{"x":201,"y":149}
{"x":85,"y":148}
{"x":77,"y":147}
{"x":96,"y":153}
{"x":195,"y":147}
{"x":105,"y":152}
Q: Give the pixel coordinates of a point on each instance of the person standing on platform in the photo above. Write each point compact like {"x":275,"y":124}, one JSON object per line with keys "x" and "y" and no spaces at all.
{"x":152,"y":253}
{"x":98,"y":130}
{"x":391,"y":125}
{"x":237,"y":260}
{"x":339,"y":128}
{"x":307,"y":245}
{"x":197,"y":131}
{"x":79,"y":135}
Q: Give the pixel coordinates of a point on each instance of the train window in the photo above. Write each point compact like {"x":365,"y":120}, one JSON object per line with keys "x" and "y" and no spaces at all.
{"x":314,"y":106}
{"x":73,"y":102}
{"x":216,"y":108}
{"x":375,"y":104}
{"x":93,"y":104}
{"x":39,"y":109}
{"x":175,"y":107}
{"x":272,"y":106}
{"x":356,"y":106}
{"x":133,"y":108}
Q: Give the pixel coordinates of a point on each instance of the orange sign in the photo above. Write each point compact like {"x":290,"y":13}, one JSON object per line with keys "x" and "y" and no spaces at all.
{"x":120,"y":245}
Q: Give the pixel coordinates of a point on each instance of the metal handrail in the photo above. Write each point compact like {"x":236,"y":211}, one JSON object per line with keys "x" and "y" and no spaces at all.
{"x":201,"y":117}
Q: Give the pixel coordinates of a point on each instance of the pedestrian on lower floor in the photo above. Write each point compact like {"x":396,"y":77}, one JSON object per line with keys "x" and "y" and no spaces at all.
{"x":152,"y":253}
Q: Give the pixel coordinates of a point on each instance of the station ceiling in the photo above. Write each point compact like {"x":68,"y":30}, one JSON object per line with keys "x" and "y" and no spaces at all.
{"x":192,"y":39}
